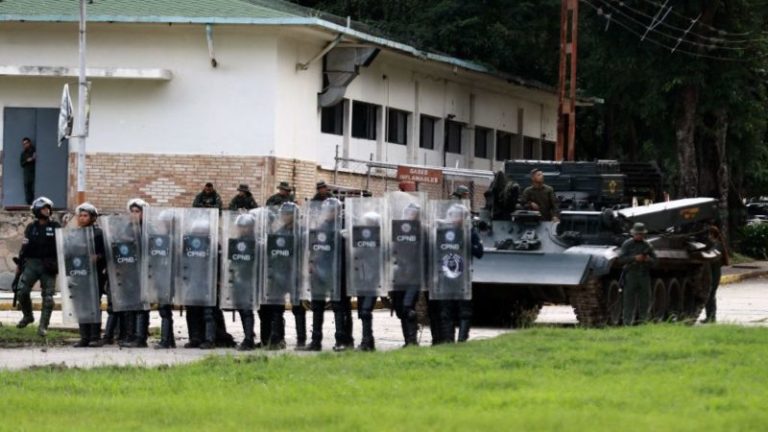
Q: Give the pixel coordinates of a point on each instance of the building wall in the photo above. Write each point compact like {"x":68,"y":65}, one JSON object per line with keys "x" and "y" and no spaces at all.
{"x":228,"y":110}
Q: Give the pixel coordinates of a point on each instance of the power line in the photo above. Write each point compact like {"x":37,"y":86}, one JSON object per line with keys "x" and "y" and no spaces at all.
{"x":673,"y":49}
{"x":693,"y":22}
{"x":709,"y":27}
{"x":656,"y":21}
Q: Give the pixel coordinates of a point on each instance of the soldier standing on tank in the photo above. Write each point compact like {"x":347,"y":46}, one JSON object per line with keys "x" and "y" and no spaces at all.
{"x":282,"y":196}
{"x":208,"y":198}
{"x":243,"y":199}
{"x":452,"y":311}
{"x":718,"y":243}
{"x":39,"y":263}
{"x":637,"y":256}
{"x":541,"y":197}
{"x":87,"y":214}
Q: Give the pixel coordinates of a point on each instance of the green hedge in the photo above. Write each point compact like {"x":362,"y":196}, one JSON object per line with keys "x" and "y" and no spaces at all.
{"x":755,"y":241}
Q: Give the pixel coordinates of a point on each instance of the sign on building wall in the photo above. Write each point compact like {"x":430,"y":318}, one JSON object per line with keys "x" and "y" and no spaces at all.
{"x":419,"y":175}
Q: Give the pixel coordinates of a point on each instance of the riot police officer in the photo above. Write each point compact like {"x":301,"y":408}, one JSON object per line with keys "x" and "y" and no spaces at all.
{"x":452,"y":261}
{"x":39,"y":262}
{"x":87,"y":215}
{"x":323,"y":250}
{"x":157,"y":268}
{"x":408,"y":250}
{"x":367,"y":270}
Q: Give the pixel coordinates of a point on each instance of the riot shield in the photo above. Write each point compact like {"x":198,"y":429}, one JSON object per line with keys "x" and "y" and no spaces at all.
{"x":450,"y":250}
{"x":280,"y":259}
{"x":239,"y":261}
{"x":407,"y":240}
{"x":196,"y":257}
{"x":78,"y":282}
{"x":366,"y":246}
{"x":157,"y":251}
{"x":122,"y":244}
{"x":322,"y":251}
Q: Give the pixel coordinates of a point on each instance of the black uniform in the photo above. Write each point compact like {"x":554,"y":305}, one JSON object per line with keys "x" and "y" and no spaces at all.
{"x":452,"y":311}
{"x":90,"y":334}
{"x":38,"y":255}
{"x":408,"y":277}
{"x":28,"y":160}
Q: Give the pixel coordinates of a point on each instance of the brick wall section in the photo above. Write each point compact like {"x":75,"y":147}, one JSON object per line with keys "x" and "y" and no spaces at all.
{"x":164,"y":180}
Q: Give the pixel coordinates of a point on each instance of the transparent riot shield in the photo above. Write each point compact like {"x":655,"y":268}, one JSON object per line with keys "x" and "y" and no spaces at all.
{"x":239,"y":261}
{"x":280,"y":260}
{"x":122,"y":244}
{"x":366,"y":246}
{"x":157,"y":251}
{"x":80,"y":299}
{"x":322,"y":250}
{"x":407,"y":240}
{"x":450,"y":250}
{"x":196,"y":257}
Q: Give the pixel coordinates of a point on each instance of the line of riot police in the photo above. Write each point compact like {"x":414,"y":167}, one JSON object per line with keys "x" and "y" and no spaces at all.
{"x":400,"y":246}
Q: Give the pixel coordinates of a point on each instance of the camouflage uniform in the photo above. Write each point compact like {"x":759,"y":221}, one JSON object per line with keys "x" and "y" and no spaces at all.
{"x":637,"y":279}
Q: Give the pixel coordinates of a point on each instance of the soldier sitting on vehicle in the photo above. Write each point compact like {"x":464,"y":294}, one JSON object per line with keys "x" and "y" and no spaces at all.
{"x":243,"y":199}
{"x":541,"y":197}
{"x":282,"y":196}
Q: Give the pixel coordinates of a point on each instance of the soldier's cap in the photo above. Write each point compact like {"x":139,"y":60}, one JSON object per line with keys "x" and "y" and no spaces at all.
{"x":461,"y":189}
{"x":535,"y":171}
{"x":638,"y":228}
{"x":209,"y":184}
{"x":321,"y":184}
{"x":284,"y":185}
{"x":243,"y":188}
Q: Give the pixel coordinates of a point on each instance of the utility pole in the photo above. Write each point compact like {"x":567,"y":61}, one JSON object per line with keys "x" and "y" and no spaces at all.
{"x":82,"y":91}
{"x":566,"y":111}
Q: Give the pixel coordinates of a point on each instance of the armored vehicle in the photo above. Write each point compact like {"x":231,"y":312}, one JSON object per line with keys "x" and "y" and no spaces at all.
{"x":529,"y":262}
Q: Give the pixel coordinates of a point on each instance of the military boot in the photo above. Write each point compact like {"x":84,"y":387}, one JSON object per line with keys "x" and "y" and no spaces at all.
{"x":166,"y":335}
{"x":109,"y":330}
{"x":193,"y":328}
{"x":45,"y":317}
{"x":126,"y":326}
{"x":317,"y":332}
{"x":95,"y":330}
{"x":411,"y":329}
{"x":141,"y":326}
{"x":85,"y":336}
{"x":210,"y":329}
{"x":25,"y":303}
{"x":367,"y":344}
{"x":300,"y":315}
{"x":277,"y":337}
{"x":248,"y":343}
{"x":464,"y":329}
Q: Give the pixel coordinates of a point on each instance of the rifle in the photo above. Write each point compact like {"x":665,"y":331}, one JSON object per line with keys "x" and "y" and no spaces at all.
{"x":15,"y":284}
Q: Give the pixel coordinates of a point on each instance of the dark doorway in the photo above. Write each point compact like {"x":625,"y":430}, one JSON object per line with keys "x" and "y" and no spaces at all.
{"x":41,"y":125}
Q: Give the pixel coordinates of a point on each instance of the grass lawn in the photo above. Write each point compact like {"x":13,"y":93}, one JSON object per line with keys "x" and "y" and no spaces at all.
{"x":11,"y":337}
{"x":663,"y":377}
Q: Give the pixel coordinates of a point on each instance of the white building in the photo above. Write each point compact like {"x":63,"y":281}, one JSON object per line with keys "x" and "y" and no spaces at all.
{"x":228,"y":91}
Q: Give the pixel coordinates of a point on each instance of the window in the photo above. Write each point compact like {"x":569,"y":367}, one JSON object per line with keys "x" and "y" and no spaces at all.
{"x":452,"y":137}
{"x":482,"y":141}
{"x":332,"y":119}
{"x":528,"y":145}
{"x":364,"y":120}
{"x":548,"y":150}
{"x":503,"y":145}
{"x":427,"y":132}
{"x":397,"y":128}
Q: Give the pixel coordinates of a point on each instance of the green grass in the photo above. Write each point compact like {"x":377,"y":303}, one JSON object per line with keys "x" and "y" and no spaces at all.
{"x":11,"y":337}
{"x":737,"y":258}
{"x":664,"y":377}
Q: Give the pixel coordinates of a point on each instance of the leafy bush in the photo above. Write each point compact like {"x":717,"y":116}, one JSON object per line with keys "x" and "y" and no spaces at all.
{"x":755,"y":241}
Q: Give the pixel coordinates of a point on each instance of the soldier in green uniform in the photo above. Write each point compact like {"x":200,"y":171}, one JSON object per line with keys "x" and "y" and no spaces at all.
{"x":719,"y":243}
{"x":28,"y":160}
{"x":637,"y":256}
{"x":282,"y":196}
{"x":323,"y":191}
{"x":243,"y":199}
{"x":208,"y":198}
{"x":38,"y":258}
{"x":540,"y":197}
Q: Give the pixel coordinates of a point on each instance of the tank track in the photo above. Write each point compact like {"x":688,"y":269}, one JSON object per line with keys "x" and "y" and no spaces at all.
{"x":589,"y":304}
